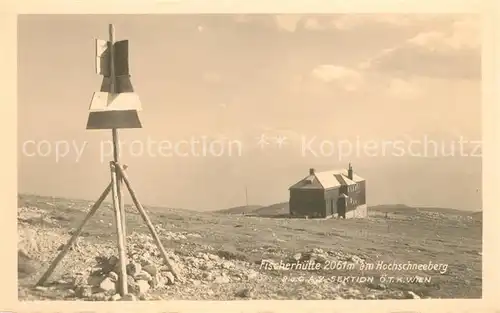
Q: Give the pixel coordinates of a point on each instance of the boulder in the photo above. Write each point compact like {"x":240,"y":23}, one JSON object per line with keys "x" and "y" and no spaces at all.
{"x":107,"y":286}
{"x":170,"y":279}
{"x":143,"y":286}
{"x":128,"y":297}
{"x":94,"y":280}
{"x":84,"y":291}
{"x":133,"y":268}
{"x":100,"y":296}
{"x":143,"y":275}
{"x":150,"y":269}
{"x":222,"y":280}
{"x":411,"y":295}
{"x":113,"y":276}
{"x":115,"y":297}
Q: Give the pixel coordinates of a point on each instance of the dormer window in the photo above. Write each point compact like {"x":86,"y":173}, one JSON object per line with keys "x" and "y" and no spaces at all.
{"x":309,"y":180}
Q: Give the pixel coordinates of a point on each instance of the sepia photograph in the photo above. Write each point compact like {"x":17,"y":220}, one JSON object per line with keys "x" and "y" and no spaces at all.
{"x":249,"y":157}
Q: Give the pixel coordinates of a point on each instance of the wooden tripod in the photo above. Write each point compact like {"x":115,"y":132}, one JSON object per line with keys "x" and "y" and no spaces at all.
{"x":115,"y":169}
{"x":118,"y":176}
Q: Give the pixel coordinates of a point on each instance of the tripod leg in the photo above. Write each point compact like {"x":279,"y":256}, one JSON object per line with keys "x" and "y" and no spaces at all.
{"x":119,"y":189}
{"x":148,"y":222}
{"x":70,"y":242}
{"x":119,"y":231}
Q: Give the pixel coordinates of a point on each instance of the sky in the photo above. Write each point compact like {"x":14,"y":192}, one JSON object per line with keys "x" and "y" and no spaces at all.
{"x":270,"y":95}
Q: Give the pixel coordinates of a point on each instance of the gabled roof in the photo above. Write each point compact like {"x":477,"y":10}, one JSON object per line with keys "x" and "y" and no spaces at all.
{"x":328,"y":179}
{"x":344,"y":180}
{"x":308,"y":182}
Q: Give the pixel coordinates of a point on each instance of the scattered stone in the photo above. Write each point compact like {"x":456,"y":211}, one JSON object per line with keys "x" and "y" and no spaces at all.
{"x":170,"y":278}
{"x":128,"y":297}
{"x":208,"y":276}
{"x":222,"y":280}
{"x":143,"y":275}
{"x":83,"y":291}
{"x":207,"y":266}
{"x":111,"y":263}
{"x":115,"y":297}
{"x":213,"y":257}
{"x":320,"y":258}
{"x":244,"y":293}
{"x":318,"y":251}
{"x":100,"y":296}
{"x":133,"y":287}
{"x":411,"y":295}
{"x":144,"y":297}
{"x":108,"y":285}
{"x":252,"y":274}
{"x":356,"y":259}
{"x":150,"y":269}
{"x":297,"y":256}
{"x":79,"y":280}
{"x":227,"y":265}
{"x":113,"y":276}
{"x":94,"y":281}
{"x":197,"y":282}
{"x":143,"y":286}
{"x":377,"y":286}
{"x":157,"y":282}
{"x":41,"y":288}
{"x":133,"y":268}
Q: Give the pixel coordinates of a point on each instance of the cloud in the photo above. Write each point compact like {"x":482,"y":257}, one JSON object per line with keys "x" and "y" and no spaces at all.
{"x":287,"y":22}
{"x":403,"y":90}
{"x":464,"y":35}
{"x":346,"y":78}
{"x":282,"y":22}
{"x":452,"y":53}
{"x":267,"y":21}
{"x":352,"y":21}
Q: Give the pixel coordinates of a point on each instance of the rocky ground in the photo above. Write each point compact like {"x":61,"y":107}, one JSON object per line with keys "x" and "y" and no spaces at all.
{"x":227,"y":258}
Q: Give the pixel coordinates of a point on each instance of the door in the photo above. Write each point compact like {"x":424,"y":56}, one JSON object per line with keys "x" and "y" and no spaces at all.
{"x":341,"y":207}
{"x":332,"y":207}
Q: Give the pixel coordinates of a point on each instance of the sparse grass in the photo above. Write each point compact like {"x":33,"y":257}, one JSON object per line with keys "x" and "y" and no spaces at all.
{"x":418,"y":237}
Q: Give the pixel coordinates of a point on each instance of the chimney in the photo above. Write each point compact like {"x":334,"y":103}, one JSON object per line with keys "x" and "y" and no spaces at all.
{"x":311,"y":171}
{"x":349,"y":172}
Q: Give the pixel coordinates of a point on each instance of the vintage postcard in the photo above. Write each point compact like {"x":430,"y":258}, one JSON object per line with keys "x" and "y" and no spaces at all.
{"x":254,"y":157}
